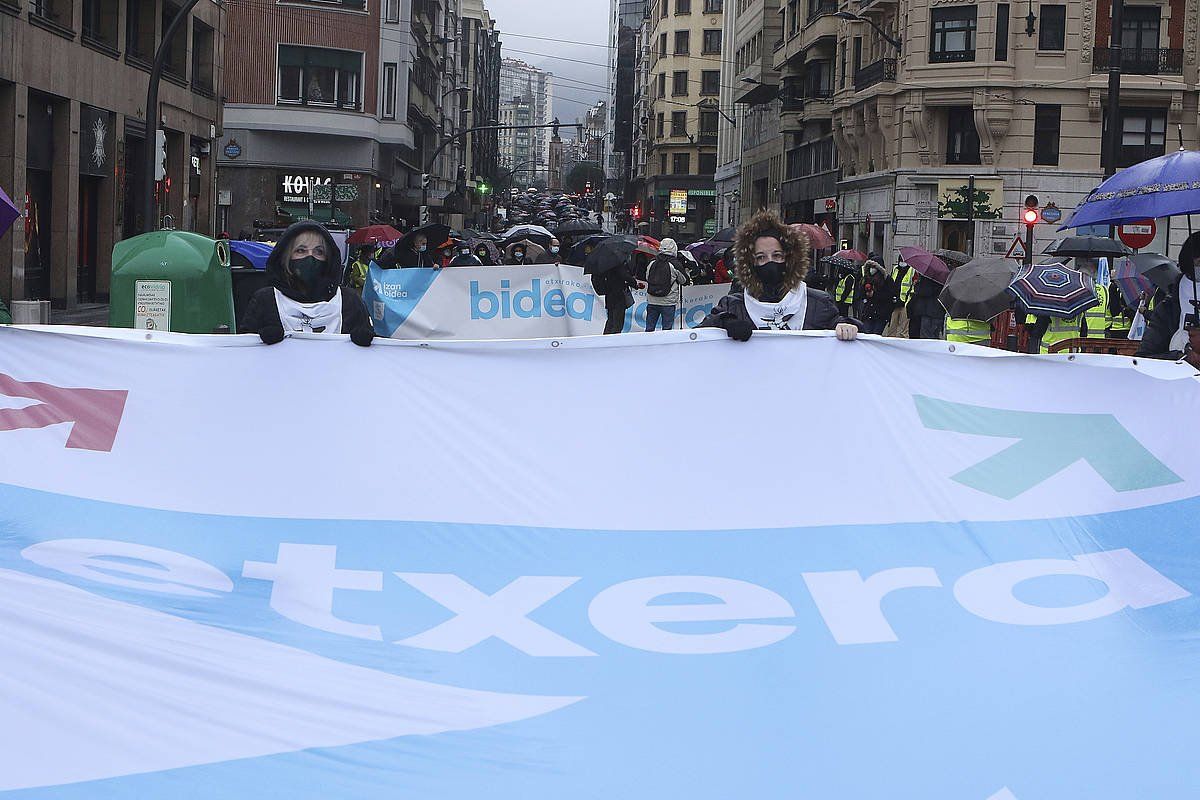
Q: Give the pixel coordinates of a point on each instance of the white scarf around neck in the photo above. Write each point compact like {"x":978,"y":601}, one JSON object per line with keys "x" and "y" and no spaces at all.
{"x":786,"y":315}
{"x":323,"y":317}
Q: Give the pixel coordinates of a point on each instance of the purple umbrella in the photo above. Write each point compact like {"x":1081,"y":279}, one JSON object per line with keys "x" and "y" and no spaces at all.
{"x":8,"y":212}
{"x":1131,"y":282}
{"x":926,"y":263}
{"x":1167,"y":186}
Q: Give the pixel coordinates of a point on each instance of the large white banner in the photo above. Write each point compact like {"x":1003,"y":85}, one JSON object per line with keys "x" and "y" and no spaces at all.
{"x":544,"y":300}
{"x":653,"y":566}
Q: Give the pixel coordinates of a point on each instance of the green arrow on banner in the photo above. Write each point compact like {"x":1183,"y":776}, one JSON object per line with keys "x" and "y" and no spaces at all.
{"x":1048,"y":444}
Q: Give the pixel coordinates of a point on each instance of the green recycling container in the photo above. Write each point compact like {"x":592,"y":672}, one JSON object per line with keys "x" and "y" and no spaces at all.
{"x":172,"y":281}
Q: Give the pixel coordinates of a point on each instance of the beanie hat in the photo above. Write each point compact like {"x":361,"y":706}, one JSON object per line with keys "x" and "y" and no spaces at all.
{"x":667,"y":247}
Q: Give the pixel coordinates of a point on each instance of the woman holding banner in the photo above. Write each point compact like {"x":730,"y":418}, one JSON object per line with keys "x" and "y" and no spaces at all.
{"x":771,"y":261}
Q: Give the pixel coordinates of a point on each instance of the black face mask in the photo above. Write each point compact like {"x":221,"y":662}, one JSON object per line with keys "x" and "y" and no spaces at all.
{"x":308,"y":271}
{"x":770,"y":275}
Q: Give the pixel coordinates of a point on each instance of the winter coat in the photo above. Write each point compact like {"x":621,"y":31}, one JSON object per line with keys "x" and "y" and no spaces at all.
{"x":263,"y":312}
{"x":678,"y":279}
{"x":617,"y":285}
{"x":878,"y":292}
{"x":924,"y":302}
{"x":468,"y":260}
{"x":820,"y":315}
{"x":1161,"y":325}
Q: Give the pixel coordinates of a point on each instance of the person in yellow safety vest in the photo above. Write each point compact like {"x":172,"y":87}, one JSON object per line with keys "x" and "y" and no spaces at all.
{"x":902,"y":283}
{"x":902,"y":275}
{"x":846,"y":294}
{"x":1091,"y":324}
{"x":968,"y":331}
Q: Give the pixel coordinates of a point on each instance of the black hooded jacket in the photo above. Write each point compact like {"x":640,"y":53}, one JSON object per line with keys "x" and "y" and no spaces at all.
{"x":262,"y":312}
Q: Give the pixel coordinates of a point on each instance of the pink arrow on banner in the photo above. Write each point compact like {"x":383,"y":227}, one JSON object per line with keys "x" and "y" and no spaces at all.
{"x":95,"y":413}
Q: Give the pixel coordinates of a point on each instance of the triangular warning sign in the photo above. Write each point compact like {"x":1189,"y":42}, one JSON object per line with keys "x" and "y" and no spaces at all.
{"x":1016,"y":249}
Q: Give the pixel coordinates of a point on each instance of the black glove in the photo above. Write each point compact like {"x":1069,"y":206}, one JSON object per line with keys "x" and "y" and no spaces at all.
{"x":739,"y":329}
{"x":362,"y":335}
{"x":271,"y":334}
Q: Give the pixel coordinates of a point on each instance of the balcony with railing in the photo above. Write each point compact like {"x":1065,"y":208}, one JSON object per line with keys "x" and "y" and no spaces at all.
{"x":1146,"y":61}
{"x":819,"y":8}
{"x":882,"y":70}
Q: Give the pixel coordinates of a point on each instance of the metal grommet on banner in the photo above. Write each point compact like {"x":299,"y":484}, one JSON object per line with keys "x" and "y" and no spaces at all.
{"x":149,"y":336}
{"x":423,"y":344}
{"x":1071,"y":357}
{"x":1135,"y":362}
{"x":951,"y":348}
{"x":555,"y":343}
{"x":692,"y":336}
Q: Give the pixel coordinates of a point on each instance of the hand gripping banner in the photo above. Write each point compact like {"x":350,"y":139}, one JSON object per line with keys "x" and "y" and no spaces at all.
{"x":668,"y":565}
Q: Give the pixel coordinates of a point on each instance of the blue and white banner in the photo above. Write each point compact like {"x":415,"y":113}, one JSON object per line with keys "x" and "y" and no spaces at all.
{"x":880,"y":569}
{"x":543,"y":300}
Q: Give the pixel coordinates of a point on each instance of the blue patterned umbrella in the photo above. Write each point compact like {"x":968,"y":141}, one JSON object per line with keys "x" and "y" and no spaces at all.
{"x":1167,"y":186}
{"x":1053,"y":290}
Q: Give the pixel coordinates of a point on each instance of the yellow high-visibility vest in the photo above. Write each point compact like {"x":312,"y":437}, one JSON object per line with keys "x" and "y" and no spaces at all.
{"x":967,"y":330}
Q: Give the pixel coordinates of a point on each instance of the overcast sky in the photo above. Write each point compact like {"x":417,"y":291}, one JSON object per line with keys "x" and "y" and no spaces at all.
{"x":558,"y":20}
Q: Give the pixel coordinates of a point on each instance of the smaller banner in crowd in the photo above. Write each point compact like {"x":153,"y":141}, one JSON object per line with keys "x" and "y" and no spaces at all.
{"x":543,"y":300}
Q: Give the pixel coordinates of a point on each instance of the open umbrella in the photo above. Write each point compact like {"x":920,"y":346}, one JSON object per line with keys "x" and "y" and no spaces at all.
{"x":532,"y":251}
{"x":488,"y":245}
{"x":1053,"y":290}
{"x":1162,"y":271}
{"x":952,"y":258}
{"x":1131,"y":282}
{"x":818,"y":237}
{"x":840,"y":262}
{"x":535,"y":233}
{"x":925,"y":263}
{"x":724,"y":235}
{"x":610,"y":254}
{"x":1167,"y":186}
{"x":978,"y":289}
{"x":435,"y":233}
{"x":576,"y":227}
{"x":381,"y":234}
{"x":8,"y":212}
{"x":1089,"y":247}
{"x":852,"y":255}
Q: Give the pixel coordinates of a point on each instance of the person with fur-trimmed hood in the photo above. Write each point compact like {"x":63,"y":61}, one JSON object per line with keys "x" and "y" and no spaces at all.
{"x":305,"y":269}
{"x":770,"y":262}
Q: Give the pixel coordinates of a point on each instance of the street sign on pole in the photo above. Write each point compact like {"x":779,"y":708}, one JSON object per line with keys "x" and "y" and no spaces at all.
{"x":1137,"y":234}
{"x":1016,"y":249}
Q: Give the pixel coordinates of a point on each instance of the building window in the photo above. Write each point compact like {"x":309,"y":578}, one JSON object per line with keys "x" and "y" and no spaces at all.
{"x":659,"y":125}
{"x":100,"y":22}
{"x":1052,"y":33}
{"x":708,"y":123}
{"x":953,"y":34}
{"x":664,"y":9}
{"x":391,"y":10}
{"x":139,"y":30}
{"x":683,"y":6}
{"x":1047,"y":124}
{"x":1143,"y":135}
{"x":1139,"y":30}
{"x":707,"y":164}
{"x":1002,"y":32}
{"x":59,"y":12}
{"x":679,"y":81}
{"x":710,"y":81}
{"x":315,"y":76}
{"x":842,"y":78}
{"x":962,"y":140}
{"x":679,"y":123}
{"x":712,"y":41}
{"x":662,"y":164}
{"x":713,"y":6}
{"x":681,"y":163}
{"x":203,"y":50}
{"x":388,"y":111}
{"x":175,"y":62}
{"x":662,"y":84}
{"x":662,"y":45}
{"x":682,"y":40}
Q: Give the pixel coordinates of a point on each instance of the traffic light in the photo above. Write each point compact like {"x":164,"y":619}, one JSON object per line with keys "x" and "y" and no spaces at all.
{"x":160,"y":154}
{"x":460,"y":183}
{"x":1031,"y":216}
{"x":426,"y":180}
{"x":636,"y":212}
{"x":484,"y":188}
{"x":424,"y":215}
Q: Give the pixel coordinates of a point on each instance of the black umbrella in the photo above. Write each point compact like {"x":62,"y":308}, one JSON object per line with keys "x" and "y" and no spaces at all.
{"x":724,"y":235}
{"x":841,"y":262}
{"x":576,"y":227}
{"x":610,"y":254}
{"x":1090,"y":247}
{"x":1162,"y":271}
{"x":978,"y":289}
{"x":435,"y":232}
{"x":581,"y":249}
{"x":952,"y":258}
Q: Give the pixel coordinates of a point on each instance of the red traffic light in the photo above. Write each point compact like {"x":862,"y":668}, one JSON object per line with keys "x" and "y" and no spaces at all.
{"x":1030,"y":215}
{"x":636,"y":212}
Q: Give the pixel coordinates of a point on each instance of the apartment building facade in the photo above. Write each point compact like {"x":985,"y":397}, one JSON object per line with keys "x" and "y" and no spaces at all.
{"x":1011,"y":95}
{"x":757,"y":33}
{"x":625,"y":22}
{"x":685,"y":86}
{"x":480,"y":71}
{"x":523,"y":84}
{"x":73,"y":133}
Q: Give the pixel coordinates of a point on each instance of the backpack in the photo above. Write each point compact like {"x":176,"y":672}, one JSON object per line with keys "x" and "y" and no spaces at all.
{"x":659,"y":278}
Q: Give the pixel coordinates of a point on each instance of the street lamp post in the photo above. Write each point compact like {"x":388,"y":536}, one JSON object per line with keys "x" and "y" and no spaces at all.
{"x":852,"y":17}
{"x":150,"y":215}
{"x":438,"y":151}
